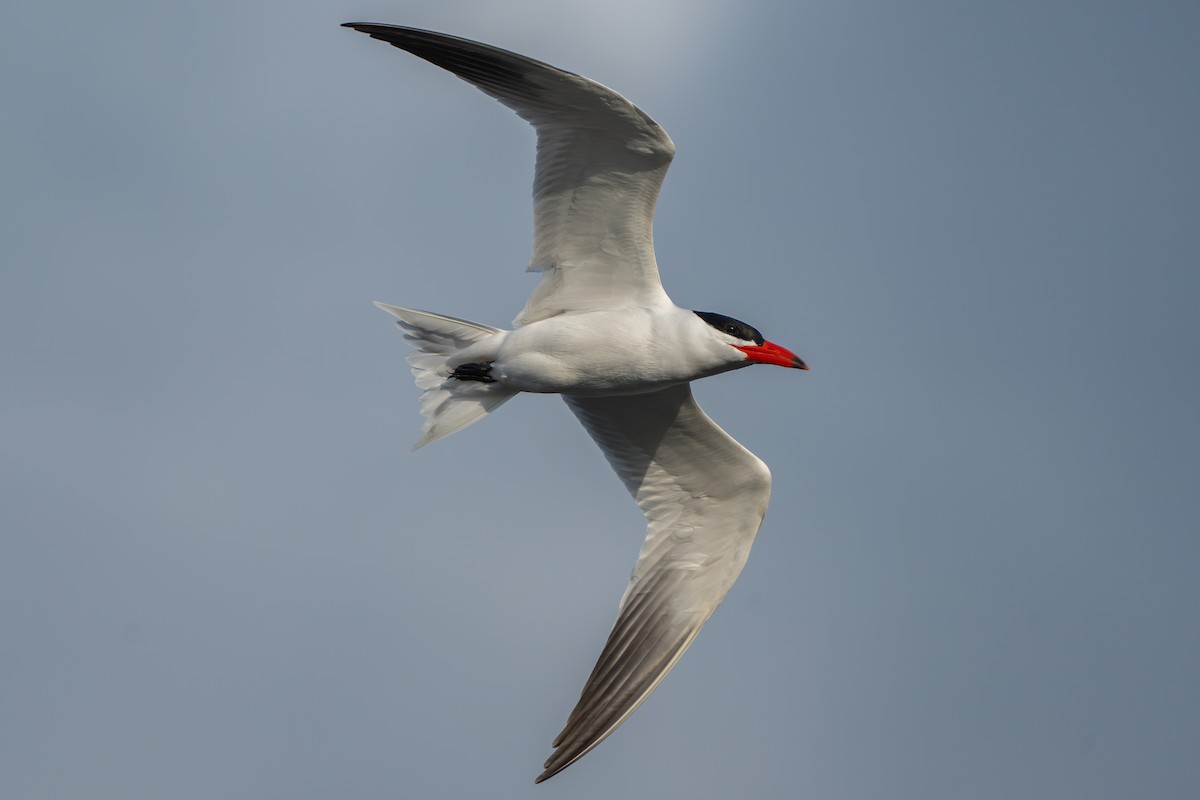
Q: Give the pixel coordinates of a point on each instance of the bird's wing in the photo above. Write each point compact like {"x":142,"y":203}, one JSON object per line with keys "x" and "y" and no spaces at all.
{"x":704,"y":496}
{"x":600,"y":164}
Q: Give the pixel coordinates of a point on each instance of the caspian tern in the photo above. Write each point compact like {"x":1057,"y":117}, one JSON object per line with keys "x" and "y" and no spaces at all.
{"x":600,"y":331}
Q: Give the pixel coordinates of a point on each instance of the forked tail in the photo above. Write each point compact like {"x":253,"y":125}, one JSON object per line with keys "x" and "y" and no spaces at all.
{"x":448,"y":404}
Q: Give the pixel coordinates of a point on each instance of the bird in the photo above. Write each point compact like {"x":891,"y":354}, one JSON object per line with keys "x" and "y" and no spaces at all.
{"x":600,"y":331}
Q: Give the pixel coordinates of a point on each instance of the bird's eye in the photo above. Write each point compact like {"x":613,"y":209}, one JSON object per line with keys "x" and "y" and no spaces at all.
{"x":730,"y":326}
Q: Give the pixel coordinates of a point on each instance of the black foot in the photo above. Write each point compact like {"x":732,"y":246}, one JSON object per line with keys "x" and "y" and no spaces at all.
{"x":474,"y":372}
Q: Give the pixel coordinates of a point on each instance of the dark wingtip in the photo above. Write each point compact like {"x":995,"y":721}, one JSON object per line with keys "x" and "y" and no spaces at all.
{"x":373,"y":29}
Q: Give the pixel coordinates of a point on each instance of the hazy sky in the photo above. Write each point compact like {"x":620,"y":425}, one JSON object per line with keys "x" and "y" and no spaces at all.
{"x":224,"y":575}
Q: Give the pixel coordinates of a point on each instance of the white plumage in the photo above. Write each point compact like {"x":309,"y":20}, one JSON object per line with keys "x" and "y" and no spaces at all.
{"x":600,"y":330}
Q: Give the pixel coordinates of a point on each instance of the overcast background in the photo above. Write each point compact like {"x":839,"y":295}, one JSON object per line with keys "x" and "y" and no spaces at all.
{"x":224,"y":575}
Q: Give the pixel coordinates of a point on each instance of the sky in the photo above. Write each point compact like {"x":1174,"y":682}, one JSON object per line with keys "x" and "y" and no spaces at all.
{"x":223,"y":574}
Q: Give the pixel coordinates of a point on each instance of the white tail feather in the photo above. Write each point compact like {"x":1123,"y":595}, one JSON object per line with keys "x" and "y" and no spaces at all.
{"x":447,"y":405}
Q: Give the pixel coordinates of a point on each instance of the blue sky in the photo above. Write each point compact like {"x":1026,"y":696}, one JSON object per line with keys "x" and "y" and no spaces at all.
{"x":223,"y":574}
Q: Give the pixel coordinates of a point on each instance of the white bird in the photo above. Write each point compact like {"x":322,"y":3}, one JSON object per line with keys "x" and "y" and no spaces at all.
{"x":600,"y":331}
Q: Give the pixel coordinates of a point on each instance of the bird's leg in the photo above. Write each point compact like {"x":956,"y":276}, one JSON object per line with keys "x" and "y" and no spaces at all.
{"x":474,"y":372}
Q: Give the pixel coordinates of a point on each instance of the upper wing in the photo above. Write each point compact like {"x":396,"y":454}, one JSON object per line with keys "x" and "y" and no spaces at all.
{"x":600,"y":164}
{"x":704,"y":496}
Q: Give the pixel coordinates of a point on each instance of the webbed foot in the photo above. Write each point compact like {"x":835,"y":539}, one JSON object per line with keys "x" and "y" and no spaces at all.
{"x":474,"y":372}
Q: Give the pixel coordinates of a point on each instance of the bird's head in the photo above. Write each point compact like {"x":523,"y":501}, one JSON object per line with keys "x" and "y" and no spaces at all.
{"x":746,"y":339}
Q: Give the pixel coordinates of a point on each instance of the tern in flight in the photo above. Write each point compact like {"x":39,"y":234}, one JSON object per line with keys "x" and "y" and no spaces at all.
{"x":600,"y":331}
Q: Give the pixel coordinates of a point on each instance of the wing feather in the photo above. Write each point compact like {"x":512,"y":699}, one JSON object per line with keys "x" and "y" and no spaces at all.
{"x":600,"y":163}
{"x":704,"y":497}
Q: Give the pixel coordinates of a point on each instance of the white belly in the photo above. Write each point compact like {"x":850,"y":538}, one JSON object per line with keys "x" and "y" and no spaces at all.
{"x":629,"y":351}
